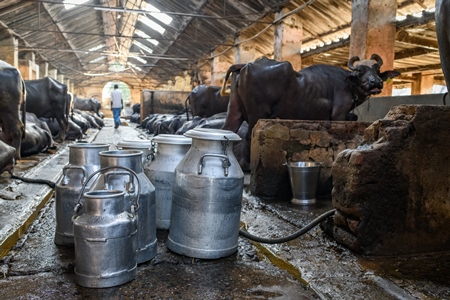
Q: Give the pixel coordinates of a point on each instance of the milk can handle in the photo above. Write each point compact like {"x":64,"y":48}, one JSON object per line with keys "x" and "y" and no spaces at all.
{"x":107,"y":175}
{"x":78,"y":206}
{"x":82,"y":168}
{"x":225,"y":163}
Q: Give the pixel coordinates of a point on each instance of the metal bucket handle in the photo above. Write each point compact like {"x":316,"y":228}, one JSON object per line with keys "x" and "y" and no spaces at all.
{"x":82,"y":168}
{"x":134,"y":209}
{"x":225,"y":163}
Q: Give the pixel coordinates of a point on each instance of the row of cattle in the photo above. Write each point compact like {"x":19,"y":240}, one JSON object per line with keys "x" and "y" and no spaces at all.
{"x":48,"y":100}
{"x":268,"y":89}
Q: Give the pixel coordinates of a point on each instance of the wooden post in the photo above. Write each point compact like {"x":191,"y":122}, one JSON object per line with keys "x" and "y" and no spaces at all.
{"x":288,"y":39}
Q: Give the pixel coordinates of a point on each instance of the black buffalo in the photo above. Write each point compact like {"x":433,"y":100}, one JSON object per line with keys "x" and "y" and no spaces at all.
{"x":7,"y":154}
{"x":268,"y":89}
{"x":442,"y":17}
{"x":12,"y":100}
{"x":206,"y":101}
{"x":48,"y":98}
{"x":36,"y":140}
{"x":90,"y":104}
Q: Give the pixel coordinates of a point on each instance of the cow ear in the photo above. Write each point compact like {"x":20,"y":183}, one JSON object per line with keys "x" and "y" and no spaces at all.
{"x":389,"y":74}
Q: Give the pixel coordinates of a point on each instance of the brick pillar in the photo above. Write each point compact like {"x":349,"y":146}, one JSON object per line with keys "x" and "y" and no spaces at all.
{"x":53,"y":73}
{"x":245,"y":52}
{"x":288,"y":39}
{"x":423,"y":84}
{"x":9,"y":51}
{"x":373,"y":31}
{"x":219,"y":67}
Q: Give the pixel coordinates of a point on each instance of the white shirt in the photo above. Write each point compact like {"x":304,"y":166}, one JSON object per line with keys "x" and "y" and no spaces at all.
{"x":116,"y":98}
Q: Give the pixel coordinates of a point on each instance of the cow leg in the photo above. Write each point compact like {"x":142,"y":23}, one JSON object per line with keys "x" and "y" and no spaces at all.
{"x":62,"y":130}
{"x":13,"y":131}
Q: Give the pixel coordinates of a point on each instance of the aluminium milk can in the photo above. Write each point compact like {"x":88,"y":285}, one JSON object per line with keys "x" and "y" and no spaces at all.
{"x":105,"y":240}
{"x":207,"y":197}
{"x":161,"y":170}
{"x":121,"y":180}
{"x":137,"y":144}
{"x":84,"y":160}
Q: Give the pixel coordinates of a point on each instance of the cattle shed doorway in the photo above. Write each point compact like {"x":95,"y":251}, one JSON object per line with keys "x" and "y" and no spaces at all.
{"x":126,"y":93}
{"x":109,"y":87}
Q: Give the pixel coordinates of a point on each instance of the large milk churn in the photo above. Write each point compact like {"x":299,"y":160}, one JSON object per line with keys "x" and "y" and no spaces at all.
{"x":137,"y":144}
{"x":207,"y":197}
{"x":121,"y":180}
{"x":84,"y":160}
{"x":105,"y":240}
{"x":170,"y":151}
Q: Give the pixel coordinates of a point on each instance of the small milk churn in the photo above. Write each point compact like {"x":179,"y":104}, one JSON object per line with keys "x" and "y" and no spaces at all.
{"x":137,"y":144}
{"x":84,"y":160}
{"x":171,"y":149}
{"x":121,"y":180}
{"x":105,"y":240}
{"x":207,"y":197}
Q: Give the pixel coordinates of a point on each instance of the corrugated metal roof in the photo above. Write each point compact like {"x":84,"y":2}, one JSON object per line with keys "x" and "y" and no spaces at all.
{"x":65,"y":37}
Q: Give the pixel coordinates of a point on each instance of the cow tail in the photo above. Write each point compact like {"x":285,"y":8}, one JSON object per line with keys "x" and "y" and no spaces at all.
{"x":186,"y":106}
{"x":24,"y":108}
{"x":233,"y":68}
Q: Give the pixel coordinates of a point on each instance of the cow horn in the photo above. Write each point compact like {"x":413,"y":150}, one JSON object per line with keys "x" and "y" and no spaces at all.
{"x":377,"y":58}
{"x":351,"y":62}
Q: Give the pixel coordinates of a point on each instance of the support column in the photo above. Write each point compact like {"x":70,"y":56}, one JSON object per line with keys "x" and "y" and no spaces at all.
{"x":9,"y":51}
{"x":53,"y":73}
{"x":288,"y":39}
{"x":245,"y":52}
{"x":219,"y":66}
{"x":43,"y":68}
{"x":60,"y":78}
{"x":423,"y":84}
{"x":373,"y":31}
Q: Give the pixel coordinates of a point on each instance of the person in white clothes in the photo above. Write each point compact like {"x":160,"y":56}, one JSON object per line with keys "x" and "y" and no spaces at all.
{"x":116,"y":105}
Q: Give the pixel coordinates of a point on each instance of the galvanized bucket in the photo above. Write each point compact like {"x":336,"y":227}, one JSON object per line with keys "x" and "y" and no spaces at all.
{"x":119,"y":180}
{"x":84,"y":160}
{"x":105,"y":237}
{"x":161,"y":170}
{"x":207,"y":197}
{"x":304,"y":178}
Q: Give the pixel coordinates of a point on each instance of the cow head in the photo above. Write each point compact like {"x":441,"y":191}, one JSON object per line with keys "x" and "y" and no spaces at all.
{"x":365,"y":76}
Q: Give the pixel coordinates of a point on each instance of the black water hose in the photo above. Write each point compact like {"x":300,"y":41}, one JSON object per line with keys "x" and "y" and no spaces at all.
{"x":288,"y":238}
{"x":37,"y":181}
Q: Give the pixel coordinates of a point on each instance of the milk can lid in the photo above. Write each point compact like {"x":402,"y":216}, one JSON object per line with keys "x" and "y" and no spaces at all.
{"x":173,"y":139}
{"x":135,"y":143}
{"x":212,"y":134}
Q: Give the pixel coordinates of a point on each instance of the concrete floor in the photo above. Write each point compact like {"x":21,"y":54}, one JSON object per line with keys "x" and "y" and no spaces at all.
{"x":310,"y":267}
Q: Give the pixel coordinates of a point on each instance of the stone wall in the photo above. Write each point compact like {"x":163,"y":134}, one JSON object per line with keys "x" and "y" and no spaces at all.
{"x":392,"y":194}
{"x":275,"y":142}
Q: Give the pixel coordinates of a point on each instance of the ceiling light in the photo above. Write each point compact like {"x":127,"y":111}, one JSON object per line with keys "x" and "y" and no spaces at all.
{"x":157,"y":14}
{"x":143,"y":47}
{"x":116,"y":67}
{"x":151,"y":24}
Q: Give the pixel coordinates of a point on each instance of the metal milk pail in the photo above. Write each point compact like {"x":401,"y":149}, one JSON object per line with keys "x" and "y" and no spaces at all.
{"x":120,"y":180}
{"x":207,"y":197}
{"x":84,"y":160}
{"x":171,"y":149}
{"x":105,"y":240}
{"x":137,"y":144}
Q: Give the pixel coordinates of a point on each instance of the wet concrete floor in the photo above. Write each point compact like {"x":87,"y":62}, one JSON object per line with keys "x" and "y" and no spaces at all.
{"x":312,"y":266}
